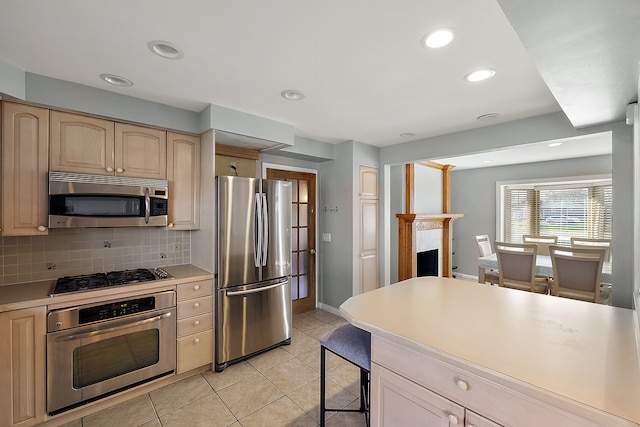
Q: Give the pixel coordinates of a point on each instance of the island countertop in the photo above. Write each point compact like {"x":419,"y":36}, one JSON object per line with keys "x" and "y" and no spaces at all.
{"x":564,"y":352}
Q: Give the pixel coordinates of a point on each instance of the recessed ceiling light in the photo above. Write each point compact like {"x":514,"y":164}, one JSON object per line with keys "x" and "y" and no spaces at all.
{"x":555,"y":144}
{"x":439,"y":38}
{"x":407,"y":134}
{"x":292,"y":95}
{"x":116,"y":80}
{"x":487,"y":161}
{"x":487,"y":117}
{"x":165,"y":49}
{"x":479,"y":75}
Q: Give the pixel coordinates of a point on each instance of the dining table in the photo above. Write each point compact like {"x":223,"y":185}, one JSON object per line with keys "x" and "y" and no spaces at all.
{"x":543,"y":267}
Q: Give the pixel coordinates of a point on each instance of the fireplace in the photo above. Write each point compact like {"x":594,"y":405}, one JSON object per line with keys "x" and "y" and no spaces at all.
{"x":427,"y":263}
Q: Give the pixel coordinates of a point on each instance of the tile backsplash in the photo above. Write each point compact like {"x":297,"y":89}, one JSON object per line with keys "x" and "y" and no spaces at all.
{"x":69,"y":252}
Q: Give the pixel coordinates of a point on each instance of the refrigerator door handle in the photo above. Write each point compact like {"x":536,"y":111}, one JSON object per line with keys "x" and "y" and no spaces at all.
{"x":265,"y":229}
{"x":255,"y":290}
{"x":257,"y":236}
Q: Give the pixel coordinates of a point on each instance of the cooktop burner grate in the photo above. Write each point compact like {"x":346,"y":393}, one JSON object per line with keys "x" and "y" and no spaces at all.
{"x":87,"y":282}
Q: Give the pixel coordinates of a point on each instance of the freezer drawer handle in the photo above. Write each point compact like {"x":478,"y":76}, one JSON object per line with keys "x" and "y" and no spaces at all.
{"x":253,"y":291}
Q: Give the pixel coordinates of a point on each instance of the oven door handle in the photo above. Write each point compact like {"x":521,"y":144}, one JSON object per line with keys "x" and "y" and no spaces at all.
{"x":92,"y":334}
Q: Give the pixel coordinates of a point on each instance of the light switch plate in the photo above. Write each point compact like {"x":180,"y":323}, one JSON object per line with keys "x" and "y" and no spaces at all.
{"x":326,"y":237}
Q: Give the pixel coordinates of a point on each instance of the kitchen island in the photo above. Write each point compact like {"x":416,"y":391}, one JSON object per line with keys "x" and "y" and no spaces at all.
{"x":485,"y":356}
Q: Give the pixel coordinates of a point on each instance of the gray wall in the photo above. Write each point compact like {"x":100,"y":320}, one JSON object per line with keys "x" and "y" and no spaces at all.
{"x":473,"y":192}
{"x":336,"y":268}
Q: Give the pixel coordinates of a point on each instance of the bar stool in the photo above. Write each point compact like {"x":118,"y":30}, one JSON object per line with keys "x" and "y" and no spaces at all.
{"x":353,"y":345}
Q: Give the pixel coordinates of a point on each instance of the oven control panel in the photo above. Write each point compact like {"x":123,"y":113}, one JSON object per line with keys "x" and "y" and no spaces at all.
{"x":115,"y":309}
{"x":72,"y":317}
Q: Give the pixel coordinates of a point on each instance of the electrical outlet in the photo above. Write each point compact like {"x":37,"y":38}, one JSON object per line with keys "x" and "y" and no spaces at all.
{"x":176,"y":246}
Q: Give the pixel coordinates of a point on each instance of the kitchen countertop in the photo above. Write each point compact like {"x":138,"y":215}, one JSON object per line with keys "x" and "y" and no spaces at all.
{"x":33,"y":294}
{"x":561,"y":351}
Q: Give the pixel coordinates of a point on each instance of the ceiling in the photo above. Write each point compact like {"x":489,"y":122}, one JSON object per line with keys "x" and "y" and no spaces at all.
{"x":359,"y":63}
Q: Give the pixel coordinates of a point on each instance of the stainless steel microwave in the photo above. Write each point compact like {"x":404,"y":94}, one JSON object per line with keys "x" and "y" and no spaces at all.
{"x":83,"y":200}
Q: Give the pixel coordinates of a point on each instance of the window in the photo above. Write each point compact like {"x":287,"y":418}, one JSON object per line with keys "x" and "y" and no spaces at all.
{"x":580,"y":208}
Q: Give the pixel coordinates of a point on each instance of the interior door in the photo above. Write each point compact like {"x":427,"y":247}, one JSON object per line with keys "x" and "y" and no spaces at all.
{"x":303,"y":237}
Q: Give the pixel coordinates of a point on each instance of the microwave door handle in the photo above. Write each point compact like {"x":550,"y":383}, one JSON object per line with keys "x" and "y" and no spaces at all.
{"x":147,"y":205}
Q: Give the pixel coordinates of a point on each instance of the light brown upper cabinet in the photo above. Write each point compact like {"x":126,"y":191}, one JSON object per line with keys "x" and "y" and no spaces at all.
{"x":84,"y":144}
{"x":183,"y":170}
{"x":25,"y":148}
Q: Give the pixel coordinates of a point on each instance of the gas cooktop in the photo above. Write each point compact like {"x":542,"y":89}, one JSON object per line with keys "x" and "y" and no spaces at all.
{"x":88,"y":282}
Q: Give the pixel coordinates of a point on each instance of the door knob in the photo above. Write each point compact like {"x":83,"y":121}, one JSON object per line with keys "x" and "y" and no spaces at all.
{"x":312,"y":251}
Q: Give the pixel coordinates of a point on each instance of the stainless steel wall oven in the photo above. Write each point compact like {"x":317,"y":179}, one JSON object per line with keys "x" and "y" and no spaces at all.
{"x":97,"y":349}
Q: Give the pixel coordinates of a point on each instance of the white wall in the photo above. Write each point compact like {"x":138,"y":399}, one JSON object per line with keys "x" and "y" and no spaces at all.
{"x":427,"y":195}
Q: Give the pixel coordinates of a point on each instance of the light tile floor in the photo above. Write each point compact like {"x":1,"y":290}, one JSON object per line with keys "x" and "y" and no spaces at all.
{"x":278,"y":388}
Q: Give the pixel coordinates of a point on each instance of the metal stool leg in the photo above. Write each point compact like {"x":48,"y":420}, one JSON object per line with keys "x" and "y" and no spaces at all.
{"x":364,"y":391}
{"x":322,"y":385}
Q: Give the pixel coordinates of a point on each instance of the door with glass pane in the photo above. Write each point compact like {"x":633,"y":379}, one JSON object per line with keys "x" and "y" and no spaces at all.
{"x":303,"y":237}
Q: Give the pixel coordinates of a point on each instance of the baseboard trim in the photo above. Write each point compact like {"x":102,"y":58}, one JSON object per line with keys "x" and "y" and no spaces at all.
{"x":330,"y":309}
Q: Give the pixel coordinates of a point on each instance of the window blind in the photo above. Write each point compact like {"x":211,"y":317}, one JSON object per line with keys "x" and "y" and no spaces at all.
{"x":575,"y":210}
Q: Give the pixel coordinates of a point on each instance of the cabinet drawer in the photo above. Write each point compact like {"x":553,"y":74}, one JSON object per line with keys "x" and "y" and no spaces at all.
{"x":195,"y":289}
{"x":492,"y":400}
{"x":195,"y":350}
{"x":194,"y":324}
{"x":193,"y":307}
{"x":474,"y":420}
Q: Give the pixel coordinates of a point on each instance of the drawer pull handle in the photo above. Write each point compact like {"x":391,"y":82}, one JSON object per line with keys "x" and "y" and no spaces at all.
{"x":196,"y":341}
{"x":196,"y":288}
{"x":462,"y":385}
{"x":453,"y":419}
{"x":196,"y":322}
{"x":196,"y":304}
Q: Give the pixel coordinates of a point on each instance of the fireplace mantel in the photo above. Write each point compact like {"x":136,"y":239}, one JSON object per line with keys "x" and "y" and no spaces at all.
{"x":408,"y":224}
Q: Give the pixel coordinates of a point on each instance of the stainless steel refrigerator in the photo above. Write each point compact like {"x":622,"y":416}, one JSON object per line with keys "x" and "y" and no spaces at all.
{"x":253,"y":267}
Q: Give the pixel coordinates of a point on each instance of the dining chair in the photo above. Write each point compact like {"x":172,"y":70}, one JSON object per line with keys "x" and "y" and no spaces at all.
{"x":543,"y":242}
{"x":577,"y":273}
{"x":590,"y":243}
{"x":517,"y":267}
{"x":484,"y":249}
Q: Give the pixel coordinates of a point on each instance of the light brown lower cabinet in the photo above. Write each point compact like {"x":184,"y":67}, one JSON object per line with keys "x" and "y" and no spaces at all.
{"x":23,"y":367}
{"x":410,"y":388}
{"x":195,"y":325}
